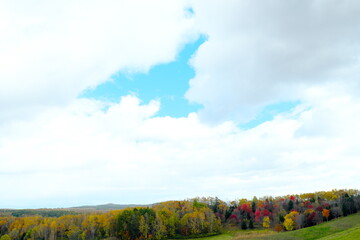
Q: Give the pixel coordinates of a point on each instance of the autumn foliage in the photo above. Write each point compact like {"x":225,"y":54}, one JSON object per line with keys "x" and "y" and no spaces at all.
{"x":178,"y":219}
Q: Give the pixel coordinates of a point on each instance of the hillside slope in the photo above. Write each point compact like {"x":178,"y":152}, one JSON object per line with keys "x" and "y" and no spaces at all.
{"x":350,"y":234}
{"x":342,"y":228}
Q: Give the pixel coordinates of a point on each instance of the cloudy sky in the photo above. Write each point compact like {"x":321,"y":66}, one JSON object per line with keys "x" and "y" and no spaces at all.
{"x":145,"y":101}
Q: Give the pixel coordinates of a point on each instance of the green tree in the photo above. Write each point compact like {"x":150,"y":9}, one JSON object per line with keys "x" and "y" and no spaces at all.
{"x":144,"y":227}
{"x":290,"y":205}
{"x":5,"y":237}
{"x":159,"y":229}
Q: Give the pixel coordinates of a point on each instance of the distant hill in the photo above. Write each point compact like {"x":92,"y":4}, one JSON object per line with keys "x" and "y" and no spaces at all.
{"x":110,"y":206}
{"x":57,"y":212}
{"x":46,"y":212}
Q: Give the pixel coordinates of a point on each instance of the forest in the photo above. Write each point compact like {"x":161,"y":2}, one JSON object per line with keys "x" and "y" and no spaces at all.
{"x":190,"y":218}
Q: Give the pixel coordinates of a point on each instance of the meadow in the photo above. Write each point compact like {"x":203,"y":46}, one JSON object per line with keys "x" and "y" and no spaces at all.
{"x":344,"y":228}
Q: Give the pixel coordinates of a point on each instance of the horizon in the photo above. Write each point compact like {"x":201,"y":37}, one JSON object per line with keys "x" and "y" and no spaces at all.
{"x":134,"y":205}
{"x":138,"y":101}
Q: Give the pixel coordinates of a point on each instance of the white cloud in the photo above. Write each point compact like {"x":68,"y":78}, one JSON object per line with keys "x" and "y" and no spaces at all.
{"x":77,"y":151}
{"x":259,"y":53}
{"x":126,"y":155}
{"x":51,"y":51}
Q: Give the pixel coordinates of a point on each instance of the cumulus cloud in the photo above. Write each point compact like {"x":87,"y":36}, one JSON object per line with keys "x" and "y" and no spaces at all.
{"x":125,"y":154}
{"x":51,"y":52}
{"x":75,"y":151}
{"x":259,"y":53}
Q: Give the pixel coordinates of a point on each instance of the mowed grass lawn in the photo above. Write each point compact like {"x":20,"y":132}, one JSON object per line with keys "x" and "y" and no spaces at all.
{"x":345,"y":228}
{"x":239,"y":234}
{"x":350,"y":234}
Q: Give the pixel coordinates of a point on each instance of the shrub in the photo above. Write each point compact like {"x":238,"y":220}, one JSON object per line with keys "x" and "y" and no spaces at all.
{"x":278,"y":228}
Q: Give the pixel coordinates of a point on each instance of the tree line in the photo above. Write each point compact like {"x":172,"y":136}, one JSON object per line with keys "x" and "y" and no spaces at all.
{"x":184,"y":219}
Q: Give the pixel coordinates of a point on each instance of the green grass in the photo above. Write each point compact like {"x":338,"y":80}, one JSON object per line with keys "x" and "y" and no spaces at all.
{"x":228,"y":235}
{"x":350,"y":234}
{"x":345,"y":228}
{"x":224,"y":236}
{"x":238,"y":234}
{"x":253,"y":234}
{"x":337,"y":226}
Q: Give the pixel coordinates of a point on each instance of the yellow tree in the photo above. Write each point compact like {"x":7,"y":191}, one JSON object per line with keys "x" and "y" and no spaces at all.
{"x":16,"y":228}
{"x":289,"y":222}
{"x":73,"y":232}
{"x":44,"y":229}
{"x":91,"y":225}
{"x":53,"y":230}
{"x":266,"y":222}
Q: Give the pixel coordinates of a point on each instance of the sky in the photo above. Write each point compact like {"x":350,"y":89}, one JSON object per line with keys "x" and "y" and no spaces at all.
{"x":147,"y":101}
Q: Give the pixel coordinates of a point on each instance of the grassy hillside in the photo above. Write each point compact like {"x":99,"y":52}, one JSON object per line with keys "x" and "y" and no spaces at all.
{"x":345,"y":228}
{"x":342,"y":225}
{"x":350,"y":234}
{"x":240,"y":234}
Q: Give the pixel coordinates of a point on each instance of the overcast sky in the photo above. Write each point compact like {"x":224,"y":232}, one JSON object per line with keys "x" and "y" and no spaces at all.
{"x":145,"y":101}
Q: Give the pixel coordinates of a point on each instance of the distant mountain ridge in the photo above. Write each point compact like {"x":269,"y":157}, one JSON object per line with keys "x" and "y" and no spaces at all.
{"x":111,"y":206}
{"x":57,"y":212}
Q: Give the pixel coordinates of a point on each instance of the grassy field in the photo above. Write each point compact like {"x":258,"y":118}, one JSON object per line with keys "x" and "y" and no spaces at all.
{"x":350,"y":234}
{"x":239,"y":234}
{"x":342,"y":225}
{"x":346,"y":228}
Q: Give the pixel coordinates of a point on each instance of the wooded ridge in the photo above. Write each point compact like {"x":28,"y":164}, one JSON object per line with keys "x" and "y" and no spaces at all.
{"x":179,"y":219}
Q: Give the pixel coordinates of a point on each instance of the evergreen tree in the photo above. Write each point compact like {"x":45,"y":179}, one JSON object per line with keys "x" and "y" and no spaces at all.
{"x":290,"y":206}
{"x":243,"y":225}
{"x":253,"y":206}
{"x":251,"y":224}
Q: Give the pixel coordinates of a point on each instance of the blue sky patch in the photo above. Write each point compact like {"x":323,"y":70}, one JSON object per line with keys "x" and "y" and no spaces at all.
{"x":189,"y":12}
{"x":165,"y":82}
{"x":269,"y":112}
